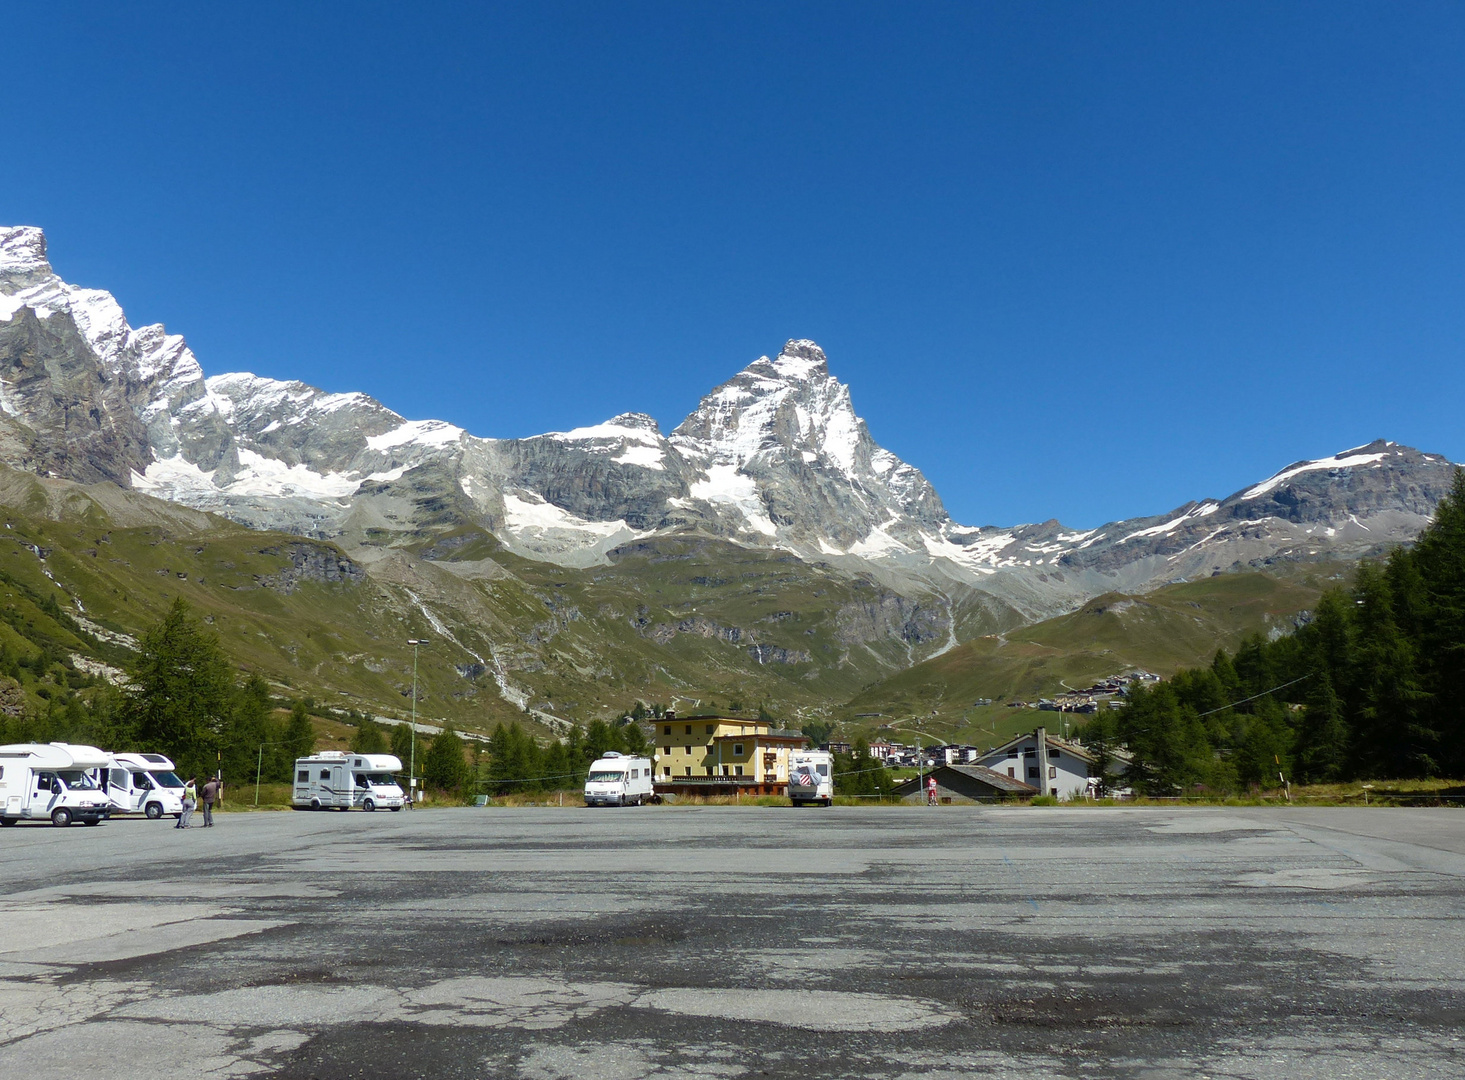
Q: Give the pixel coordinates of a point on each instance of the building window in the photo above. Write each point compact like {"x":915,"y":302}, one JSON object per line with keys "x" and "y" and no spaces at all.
{"x":689,"y":770}
{"x":1012,"y":772}
{"x":668,"y":770}
{"x":738,"y":770}
{"x":1052,"y":773}
{"x":1032,"y":772}
{"x":709,"y":771}
{"x":668,"y":729}
{"x":737,"y":749}
{"x":689,"y":729}
{"x":724,"y":770}
{"x":1053,"y":752}
{"x":709,"y":729}
{"x":668,"y":750}
{"x":1012,"y":753}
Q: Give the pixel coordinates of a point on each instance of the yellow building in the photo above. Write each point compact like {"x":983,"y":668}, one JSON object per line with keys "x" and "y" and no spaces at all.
{"x":721,"y":753}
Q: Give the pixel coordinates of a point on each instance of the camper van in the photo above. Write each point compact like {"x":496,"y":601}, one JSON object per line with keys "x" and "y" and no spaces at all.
{"x":141,"y":784}
{"x":51,"y":780}
{"x":341,"y":780}
{"x":811,"y":777}
{"x":618,"y":780}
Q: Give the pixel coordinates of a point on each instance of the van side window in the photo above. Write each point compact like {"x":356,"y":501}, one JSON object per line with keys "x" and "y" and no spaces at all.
{"x":140,"y":781}
{"x":325,"y":774}
{"x":823,"y":770}
{"x":303,"y":776}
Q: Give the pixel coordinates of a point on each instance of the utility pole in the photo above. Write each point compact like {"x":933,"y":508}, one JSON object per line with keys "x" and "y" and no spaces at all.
{"x":412,"y":755}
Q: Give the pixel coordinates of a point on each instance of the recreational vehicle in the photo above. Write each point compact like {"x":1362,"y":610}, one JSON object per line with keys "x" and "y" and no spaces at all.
{"x":618,"y":780}
{"x":51,"y":780}
{"x":811,"y":777}
{"x":141,"y":784}
{"x":341,"y":780}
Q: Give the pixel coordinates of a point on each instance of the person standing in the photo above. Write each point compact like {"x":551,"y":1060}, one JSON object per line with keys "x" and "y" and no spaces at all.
{"x":190,"y":800}
{"x":211,"y":792}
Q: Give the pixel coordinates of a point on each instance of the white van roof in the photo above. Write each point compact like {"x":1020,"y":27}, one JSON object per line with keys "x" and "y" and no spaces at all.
{"x":57,"y":755}
{"x":377,"y":762}
{"x":145,"y":762}
{"x":40,"y":755}
{"x":618,"y":761}
{"x":85,"y":757}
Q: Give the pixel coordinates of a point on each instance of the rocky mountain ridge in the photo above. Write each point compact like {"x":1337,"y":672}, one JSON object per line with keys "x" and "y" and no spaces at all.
{"x":774,"y":458}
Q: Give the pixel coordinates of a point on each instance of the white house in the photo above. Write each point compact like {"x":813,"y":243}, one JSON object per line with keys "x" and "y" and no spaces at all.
{"x":1052,"y":765}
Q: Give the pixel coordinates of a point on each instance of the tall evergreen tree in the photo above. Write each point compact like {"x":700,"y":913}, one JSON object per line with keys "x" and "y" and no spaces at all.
{"x":368,"y":737}
{"x":181,"y":696}
{"x":299,"y":737}
{"x":445,"y":767}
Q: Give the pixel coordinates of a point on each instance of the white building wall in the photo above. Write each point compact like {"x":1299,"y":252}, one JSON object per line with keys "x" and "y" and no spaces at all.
{"x":1068,"y":776}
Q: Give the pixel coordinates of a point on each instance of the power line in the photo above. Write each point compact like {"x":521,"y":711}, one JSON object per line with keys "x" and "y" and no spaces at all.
{"x":1253,"y":697}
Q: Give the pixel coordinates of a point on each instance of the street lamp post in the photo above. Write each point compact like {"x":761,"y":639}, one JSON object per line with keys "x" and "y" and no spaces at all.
{"x":412,"y":755}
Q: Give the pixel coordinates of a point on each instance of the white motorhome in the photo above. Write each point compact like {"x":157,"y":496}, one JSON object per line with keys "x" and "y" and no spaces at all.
{"x":142,"y":784}
{"x":51,"y":780}
{"x":811,"y":777}
{"x":341,"y":780}
{"x":618,"y":780}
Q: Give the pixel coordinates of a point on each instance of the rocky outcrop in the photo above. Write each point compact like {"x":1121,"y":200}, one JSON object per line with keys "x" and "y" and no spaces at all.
{"x":311,"y":563}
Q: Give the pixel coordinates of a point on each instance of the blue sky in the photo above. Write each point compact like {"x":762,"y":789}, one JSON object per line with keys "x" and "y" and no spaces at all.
{"x":1075,"y":261}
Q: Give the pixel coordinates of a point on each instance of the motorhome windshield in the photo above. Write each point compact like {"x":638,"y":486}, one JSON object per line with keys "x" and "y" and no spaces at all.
{"x":606,"y":777}
{"x":382,"y":779}
{"x":166,"y":779}
{"x":76,"y":779}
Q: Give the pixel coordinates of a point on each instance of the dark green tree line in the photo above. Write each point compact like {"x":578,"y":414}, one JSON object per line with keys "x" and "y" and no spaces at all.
{"x":1372,"y":686}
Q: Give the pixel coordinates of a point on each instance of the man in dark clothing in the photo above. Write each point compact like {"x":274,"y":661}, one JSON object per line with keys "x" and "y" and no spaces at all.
{"x":211,"y":792}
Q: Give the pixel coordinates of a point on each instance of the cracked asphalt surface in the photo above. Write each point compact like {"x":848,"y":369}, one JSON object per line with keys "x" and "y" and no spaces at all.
{"x":739,"y":942}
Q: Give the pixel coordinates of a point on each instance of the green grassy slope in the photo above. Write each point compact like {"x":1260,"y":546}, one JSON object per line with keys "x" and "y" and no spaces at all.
{"x":1175,"y":626}
{"x":682,"y":619}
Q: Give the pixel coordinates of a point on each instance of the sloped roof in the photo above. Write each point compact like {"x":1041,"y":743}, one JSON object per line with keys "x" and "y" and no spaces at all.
{"x":993,"y":779}
{"x":1052,"y":740}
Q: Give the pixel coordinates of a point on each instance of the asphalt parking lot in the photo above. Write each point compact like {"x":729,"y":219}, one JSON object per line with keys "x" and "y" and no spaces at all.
{"x":738,"y":942}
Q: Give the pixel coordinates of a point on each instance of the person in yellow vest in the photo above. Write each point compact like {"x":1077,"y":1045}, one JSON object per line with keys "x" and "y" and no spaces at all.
{"x":190,"y":800}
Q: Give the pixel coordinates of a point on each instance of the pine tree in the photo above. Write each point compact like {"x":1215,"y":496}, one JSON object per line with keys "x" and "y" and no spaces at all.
{"x":445,"y":767}
{"x":633,"y":738}
{"x":247,"y":748}
{"x":181,"y":695}
{"x":401,"y":744}
{"x":1322,"y":743}
{"x":1437,"y":562}
{"x":299,"y":737}
{"x":1386,"y":696}
{"x":368,"y":737}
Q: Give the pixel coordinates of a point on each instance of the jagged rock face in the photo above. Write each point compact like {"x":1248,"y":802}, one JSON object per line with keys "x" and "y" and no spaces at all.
{"x":785,"y":457}
{"x":64,"y":414}
{"x":774,"y":457}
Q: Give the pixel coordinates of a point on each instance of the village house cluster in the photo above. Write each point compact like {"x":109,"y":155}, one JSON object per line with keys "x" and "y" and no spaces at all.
{"x":1106,"y":692}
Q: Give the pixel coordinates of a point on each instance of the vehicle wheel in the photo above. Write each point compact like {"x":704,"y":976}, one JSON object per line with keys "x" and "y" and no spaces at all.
{"x":94,"y":821}
{"x":315,"y":804}
{"x":395,"y":809}
{"x":369,"y":805}
{"x":60,"y":816}
{"x":9,"y":821}
{"x":153,"y":811}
